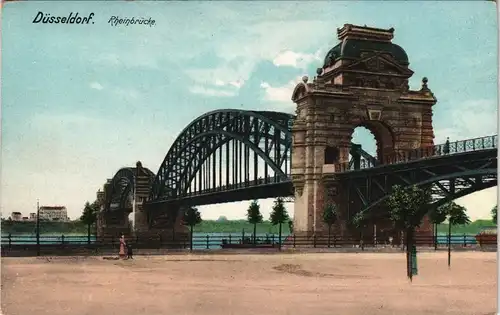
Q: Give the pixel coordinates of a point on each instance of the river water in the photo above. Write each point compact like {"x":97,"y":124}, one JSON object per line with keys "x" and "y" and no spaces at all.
{"x":201,"y":240}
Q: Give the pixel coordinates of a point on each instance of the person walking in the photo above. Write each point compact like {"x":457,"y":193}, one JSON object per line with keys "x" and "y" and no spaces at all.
{"x":122,"y":247}
{"x":129,"y":251}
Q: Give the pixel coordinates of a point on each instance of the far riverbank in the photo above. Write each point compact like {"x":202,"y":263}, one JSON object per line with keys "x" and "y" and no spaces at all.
{"x":208,"y":226}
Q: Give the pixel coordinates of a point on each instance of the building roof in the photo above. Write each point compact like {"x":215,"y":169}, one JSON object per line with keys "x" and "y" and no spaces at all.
{"x":356,"y":40}
{"x":53,"y":208}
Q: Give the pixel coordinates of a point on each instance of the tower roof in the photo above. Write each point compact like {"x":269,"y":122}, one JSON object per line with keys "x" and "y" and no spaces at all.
{"x":356,"y":40}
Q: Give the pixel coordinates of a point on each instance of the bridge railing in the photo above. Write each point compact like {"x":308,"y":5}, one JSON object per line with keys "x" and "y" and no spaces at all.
{"x":448,"y":148}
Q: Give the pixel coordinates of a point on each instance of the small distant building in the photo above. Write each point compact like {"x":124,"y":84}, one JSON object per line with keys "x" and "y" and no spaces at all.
{"x":25,"y":218}
{"x":16,"y":216}
{"x":33,"y":216}
{"x":54,"y":213}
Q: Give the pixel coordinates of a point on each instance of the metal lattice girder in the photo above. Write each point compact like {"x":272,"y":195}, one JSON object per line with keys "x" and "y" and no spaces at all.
{"x":266,"y":134}
{"x":119,"y":193}
{"x":447,"y":176}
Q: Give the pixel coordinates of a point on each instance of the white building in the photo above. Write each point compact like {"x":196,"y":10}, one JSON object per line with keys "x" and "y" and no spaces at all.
{"x":16,"y":216}
{"x":54,"y":213}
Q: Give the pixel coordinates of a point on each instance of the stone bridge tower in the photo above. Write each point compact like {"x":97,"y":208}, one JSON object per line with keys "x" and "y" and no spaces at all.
{"x":363,"y":82}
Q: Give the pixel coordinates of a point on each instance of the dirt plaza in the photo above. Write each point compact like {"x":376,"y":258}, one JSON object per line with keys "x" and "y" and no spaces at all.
{"x":247,"y":284}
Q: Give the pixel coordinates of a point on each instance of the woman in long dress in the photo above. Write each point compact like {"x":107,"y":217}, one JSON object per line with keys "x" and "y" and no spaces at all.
{"x":123,"y":244}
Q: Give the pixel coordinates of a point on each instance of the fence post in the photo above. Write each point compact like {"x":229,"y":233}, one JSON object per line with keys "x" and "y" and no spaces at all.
{"x":229,"y":238}
{"x":465,"y":240}
{"x":334,"y":242}
{"x":314,"y":240}
{"x":160,"y":240}
{"x":293,"y":240}
{"x":10,"y":240}
{"x":272,"y":239}
{"x":62,"y":239}
{"x":208,"y":242}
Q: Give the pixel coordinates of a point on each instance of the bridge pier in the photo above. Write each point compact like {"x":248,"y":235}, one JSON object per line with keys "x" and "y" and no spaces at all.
{"x":111,"y":224}
{"x":161,"y":223}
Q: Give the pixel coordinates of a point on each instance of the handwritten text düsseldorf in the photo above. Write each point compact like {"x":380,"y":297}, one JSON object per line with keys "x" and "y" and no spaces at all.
{"x":72,"y":18}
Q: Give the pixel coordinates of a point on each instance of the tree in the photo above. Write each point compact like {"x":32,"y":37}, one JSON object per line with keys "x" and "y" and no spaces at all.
{"x":222,"y":218}
{"x":437,"y":216}
{"x":407,"y":207}
{"x":457,"y":215}
{"x":494,"y":214}
{"x":279,"y":215}
{"x":192,"y":217}
{"x":89,"y":216}
{"x":254,"y":216}
{"x":330,"y":217}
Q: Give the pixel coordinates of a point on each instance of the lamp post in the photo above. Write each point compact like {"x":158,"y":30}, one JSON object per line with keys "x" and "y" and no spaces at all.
{"x":37,"y":228}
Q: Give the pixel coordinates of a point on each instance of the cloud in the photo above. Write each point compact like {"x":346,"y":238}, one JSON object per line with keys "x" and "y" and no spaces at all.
{"x":223,"y":75}
{"x":238,"y":83}
{"x":126,"y":93}
{"x":471,"y":119}
{"x":251,"y":43}
{"x":211,"y":92}
{"x":280,"y":96}
{"x":294,"y":59}
{"x":138,"y":57}
{"x":96,"y":86}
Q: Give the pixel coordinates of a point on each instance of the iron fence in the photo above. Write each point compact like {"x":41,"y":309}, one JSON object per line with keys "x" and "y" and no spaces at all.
{"x":227,"y":241}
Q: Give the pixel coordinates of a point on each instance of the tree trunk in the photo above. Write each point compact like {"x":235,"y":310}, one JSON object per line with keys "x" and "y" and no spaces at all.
{"x":409,"y":248}
{"x":449,"y":244}
{"x":329,"y":233}
{"x":191,"y":243}
{"x":435,"y":236}
{"x":254,"y":234}
{"x":88,"y":234}
{"x":279,"y":237}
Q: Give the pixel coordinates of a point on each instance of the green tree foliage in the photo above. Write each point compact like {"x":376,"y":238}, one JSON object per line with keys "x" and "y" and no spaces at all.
{"x":279,"y":215}
{"x":222,"y":218}
{"x":457,"y":215}
{"x":437,"y":216}
{"x":330,"y":217}
{"x":254,"y":217}
{"x":407,"y":206}
{"x":494,"y":214}
{"x":89,"y":216}
{"x":191,"y":218}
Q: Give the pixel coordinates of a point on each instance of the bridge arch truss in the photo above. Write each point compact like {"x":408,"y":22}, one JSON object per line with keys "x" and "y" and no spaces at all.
{"x":224,"y":150}
{"x":119,"y":190}
{"x":449,"y":177}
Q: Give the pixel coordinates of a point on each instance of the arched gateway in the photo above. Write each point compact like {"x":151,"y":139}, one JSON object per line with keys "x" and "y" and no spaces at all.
{"x":363,"y":82}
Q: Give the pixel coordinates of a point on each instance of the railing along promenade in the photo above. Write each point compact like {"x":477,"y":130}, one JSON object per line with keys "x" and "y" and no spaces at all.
{"x":75,"y":245}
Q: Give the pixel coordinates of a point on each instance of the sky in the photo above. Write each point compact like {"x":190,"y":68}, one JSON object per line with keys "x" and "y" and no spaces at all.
{"x":79,"y":102}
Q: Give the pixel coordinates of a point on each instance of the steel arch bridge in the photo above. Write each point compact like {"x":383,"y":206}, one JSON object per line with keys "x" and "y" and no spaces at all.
{"x":218,"y":157}
{"x":234,"y":155}
{"x":448,"y":176}
{"x":119,"y":190}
